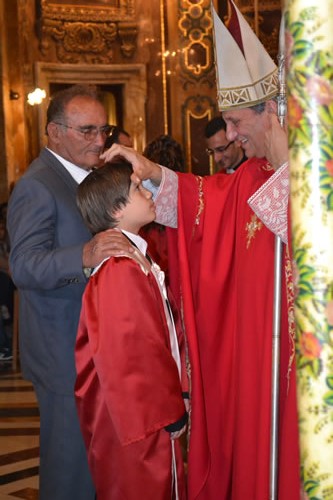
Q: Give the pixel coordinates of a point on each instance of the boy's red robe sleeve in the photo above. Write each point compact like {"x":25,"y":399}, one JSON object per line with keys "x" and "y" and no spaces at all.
{"x":123,"y":346}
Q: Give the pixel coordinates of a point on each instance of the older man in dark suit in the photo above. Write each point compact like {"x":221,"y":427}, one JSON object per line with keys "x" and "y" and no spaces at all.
{"x":51,"y":252}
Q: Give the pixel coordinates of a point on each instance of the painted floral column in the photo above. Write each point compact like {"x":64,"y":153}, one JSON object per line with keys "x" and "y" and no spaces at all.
{"x":309,"y":40}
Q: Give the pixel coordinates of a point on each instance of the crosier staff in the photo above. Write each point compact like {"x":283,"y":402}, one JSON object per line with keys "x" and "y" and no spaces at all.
{"x":278,"y":249}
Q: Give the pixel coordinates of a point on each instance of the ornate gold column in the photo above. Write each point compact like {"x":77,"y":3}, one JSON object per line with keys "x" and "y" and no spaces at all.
{"x":309,"y":29}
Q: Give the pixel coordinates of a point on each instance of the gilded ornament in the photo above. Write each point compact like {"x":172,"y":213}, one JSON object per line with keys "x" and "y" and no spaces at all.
{"x":85,"y":34}
{"x":251,"y":229}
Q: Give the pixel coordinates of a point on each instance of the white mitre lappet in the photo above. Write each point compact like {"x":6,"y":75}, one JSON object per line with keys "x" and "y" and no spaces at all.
{"x":246,"y":74}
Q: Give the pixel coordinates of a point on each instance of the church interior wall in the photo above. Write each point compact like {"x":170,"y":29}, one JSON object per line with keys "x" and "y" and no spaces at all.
{"x":155,"y":57}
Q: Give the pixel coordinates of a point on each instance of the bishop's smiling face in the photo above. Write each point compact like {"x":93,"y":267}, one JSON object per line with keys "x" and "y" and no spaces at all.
{"x":248,"y":127}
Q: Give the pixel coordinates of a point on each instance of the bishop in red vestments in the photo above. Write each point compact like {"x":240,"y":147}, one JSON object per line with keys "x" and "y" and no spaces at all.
{"x":226,"y":266}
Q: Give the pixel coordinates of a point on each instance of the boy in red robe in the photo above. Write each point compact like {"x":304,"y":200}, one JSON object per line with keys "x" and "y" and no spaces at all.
{"x":131,"y":380}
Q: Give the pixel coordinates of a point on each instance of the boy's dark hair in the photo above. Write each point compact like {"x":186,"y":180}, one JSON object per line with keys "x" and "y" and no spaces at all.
{"x":215,"y":125}
{"x":103,"y":192}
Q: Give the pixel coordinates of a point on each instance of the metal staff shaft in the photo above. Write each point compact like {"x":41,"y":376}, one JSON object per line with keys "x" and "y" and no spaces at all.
{"x":274,"y":451}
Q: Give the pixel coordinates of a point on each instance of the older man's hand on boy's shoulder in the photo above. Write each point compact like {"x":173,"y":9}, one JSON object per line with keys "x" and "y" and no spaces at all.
{"x":109,"y":243}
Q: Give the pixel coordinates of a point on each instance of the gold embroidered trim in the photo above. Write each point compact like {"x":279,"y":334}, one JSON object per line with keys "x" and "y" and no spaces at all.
{"x":267,"y":167}
{"x":250,"y":94}
{"x":291,"y":311}
{"x":251,"y":228}
{"x":201,"y":201}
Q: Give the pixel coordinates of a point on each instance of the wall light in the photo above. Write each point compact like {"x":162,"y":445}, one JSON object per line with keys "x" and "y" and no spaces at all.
{"x":36,"y":96}
{"x":13,"y":95}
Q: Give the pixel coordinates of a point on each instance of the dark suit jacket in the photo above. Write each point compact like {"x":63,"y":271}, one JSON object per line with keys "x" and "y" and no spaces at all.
{"x":47,"y":235}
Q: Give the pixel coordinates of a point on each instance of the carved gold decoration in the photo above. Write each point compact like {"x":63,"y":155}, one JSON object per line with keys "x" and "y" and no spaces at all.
{"x":83,"y":33}
{"x":128,"y":33}
{"x":196,"y":110}
{"x":196,"y":74}
{"x":88,"y":11}
{"x":197,"y":65}
{"x":195,"y":26}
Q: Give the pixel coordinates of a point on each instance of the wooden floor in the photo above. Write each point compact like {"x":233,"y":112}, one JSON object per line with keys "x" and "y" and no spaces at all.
{"x":19,"y":436}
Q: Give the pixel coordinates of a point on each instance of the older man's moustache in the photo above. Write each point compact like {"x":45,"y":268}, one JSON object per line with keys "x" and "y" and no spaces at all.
{"x":96,"y":151}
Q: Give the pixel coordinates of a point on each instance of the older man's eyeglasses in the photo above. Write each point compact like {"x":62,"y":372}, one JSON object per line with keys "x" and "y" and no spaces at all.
{"x":219,"y":149}
{"x":90,"y":132}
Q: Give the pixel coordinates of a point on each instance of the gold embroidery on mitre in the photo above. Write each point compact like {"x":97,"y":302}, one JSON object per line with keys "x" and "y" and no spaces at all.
{"x":250,"y":94}
{"x":251,"y":228}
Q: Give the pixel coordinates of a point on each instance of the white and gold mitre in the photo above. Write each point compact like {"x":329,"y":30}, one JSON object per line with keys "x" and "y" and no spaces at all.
{"x":245,"y":73}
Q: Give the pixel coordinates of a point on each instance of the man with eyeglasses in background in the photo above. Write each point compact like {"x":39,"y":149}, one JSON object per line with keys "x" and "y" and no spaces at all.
{"x":228,"y":155}
{"x":52,"y":252}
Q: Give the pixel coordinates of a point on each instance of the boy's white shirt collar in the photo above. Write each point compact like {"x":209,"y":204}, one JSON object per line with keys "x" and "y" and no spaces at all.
{"x":137,"y":240}
{"x":134,"y":238}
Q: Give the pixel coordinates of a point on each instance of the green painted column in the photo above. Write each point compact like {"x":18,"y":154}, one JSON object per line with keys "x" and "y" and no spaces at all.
{"x":309,"y":55}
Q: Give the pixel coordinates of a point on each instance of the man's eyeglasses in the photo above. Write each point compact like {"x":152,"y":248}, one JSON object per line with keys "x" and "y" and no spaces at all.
{"x":219,"y":149}
{"x":90,"y":132}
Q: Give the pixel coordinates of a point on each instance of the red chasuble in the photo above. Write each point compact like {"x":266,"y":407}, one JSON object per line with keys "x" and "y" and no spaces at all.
{"x":226,"y":269}
{"x":128,"y":387}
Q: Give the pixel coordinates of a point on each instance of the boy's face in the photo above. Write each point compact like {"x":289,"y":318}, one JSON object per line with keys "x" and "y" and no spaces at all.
{"x":139,"y":210}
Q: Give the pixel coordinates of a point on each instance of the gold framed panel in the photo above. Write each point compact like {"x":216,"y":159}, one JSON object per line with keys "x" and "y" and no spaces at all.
{"x":132,"y":78}
{"x":196,"y":116}
{"x":85,"y":10}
